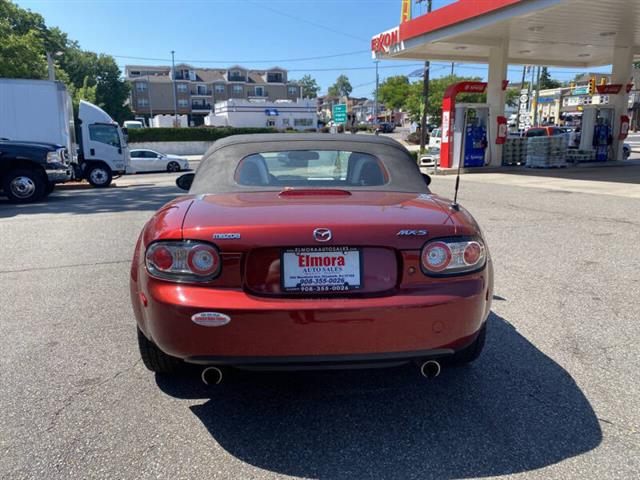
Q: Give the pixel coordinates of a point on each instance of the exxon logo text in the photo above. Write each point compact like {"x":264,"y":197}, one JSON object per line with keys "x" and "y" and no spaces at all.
{"x":382,"y":42}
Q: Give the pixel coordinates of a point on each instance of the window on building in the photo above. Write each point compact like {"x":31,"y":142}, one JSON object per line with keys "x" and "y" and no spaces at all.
{"x":236,"y":76}
{"x":219,"y":88}
{"x":285,"y":122}
{"x":293,"y":90}
{"x":237,"y":89}
{"x":134,"y":73}
{"x":183,"y":103}
{"x":274,"y":77}
{"x":143,"y":102}
{"x":303,"y":122}
{"x":259,"y":91}
{"x":271,"y":123}
{"x":201,"y":89}
{"x":182,"y":87}
{"x":104,"y":133}
{"x":141,"y":86}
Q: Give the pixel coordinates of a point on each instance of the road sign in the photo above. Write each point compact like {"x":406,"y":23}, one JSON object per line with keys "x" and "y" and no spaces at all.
{"x":340,"y":113}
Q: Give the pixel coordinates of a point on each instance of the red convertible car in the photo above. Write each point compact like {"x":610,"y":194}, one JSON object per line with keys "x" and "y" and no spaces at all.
{"x":303,"y":251}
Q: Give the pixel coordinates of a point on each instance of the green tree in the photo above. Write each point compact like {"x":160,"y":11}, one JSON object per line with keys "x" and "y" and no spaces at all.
{"x":24,"y":41}
{"x":310,"y":87}
{"x":21,"y":55}
{"x":437,"y":87}
{"x":546,"y":81}
{"x":342,"y":87}
{"x":393,"y":92}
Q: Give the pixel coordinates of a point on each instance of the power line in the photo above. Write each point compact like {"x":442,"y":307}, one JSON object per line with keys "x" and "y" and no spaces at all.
{"x":304,"y":20}
{"x":282,"y":60}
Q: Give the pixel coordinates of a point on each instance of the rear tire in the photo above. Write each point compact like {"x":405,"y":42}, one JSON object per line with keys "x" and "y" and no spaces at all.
{"x":156,"y":360}
{"x":470,"y":352}
{"x":99,"y":175}
{"x":24,"y":185}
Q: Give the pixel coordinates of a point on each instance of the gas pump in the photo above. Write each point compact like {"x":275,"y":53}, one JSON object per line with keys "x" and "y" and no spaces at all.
{"x":597,"y":130}
{"x":470,"y":134}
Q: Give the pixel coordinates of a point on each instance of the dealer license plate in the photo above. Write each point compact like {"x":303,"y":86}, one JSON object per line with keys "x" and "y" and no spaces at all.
{"x":332,"y":269}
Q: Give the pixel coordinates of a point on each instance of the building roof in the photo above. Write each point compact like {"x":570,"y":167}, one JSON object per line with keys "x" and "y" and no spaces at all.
{"x":577,"y":33}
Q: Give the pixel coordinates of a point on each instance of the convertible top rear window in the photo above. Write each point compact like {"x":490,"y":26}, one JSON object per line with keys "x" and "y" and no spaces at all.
{"x":274,"y":161}
{"x":311,"y":168}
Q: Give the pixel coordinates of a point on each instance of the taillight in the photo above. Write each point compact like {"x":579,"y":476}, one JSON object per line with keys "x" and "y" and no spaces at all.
{"x":452,"y":256}
{"x":183,"y":261}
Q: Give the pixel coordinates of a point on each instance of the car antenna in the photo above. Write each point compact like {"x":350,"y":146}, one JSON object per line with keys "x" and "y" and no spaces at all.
{"x":454,"y":205}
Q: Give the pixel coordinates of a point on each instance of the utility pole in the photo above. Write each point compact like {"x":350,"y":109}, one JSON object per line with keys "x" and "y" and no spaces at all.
{"x":535,"y":112}
{"x":452,"y":66}
{"x":375,"y":105}
{"x":173,"y":83}
{"x":425,"y":94}
{"x":149,"y":95}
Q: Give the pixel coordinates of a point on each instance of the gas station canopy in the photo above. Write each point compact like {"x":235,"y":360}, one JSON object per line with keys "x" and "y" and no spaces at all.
{"x":571,"y":33}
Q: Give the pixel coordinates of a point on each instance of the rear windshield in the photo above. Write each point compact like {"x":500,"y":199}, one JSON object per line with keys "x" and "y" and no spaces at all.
{"x":307,"y":168}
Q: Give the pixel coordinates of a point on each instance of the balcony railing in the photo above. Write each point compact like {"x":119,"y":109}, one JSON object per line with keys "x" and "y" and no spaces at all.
{"x":202,"y":93}
{"x":237,"y":78}
{"x":200,"y":106}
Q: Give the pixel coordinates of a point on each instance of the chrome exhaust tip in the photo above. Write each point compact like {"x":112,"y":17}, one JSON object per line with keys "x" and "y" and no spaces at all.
{"x":211,"y":376}
{"x":430,"y":369}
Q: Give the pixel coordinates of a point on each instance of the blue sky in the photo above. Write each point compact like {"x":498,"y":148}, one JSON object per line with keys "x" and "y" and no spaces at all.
{"x":218,"y":33}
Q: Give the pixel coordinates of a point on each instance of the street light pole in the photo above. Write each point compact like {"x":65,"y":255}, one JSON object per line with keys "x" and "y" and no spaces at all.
{"x":175,"y":96}
{"x":425,"y":95}
{"x":375,"y":106}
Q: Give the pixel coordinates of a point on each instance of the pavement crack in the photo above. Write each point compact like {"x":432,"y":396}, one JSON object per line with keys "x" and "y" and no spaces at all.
{"x":59,"y":267}
{"x":69,"y":401}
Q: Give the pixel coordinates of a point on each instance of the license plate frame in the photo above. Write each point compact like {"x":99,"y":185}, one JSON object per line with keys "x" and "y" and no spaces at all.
{"x":330,"y":280}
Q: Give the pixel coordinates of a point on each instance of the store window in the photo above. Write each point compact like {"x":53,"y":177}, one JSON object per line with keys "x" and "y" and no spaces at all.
{"x":303,"y":122}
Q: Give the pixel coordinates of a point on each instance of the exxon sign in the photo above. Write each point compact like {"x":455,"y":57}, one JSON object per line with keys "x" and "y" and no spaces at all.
{"x":386,"y":40}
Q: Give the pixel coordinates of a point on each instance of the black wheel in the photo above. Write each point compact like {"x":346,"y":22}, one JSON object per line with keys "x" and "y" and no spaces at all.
{"x":173,"y":167}
{"x":156,"y":360}
{"x":24,"y":185}
{"x":99,"y":175}
{"x":471,"y":352}
{"x":49,"y":187}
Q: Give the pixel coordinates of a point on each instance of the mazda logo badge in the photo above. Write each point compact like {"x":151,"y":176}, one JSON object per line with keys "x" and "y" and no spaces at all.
{"x":322,"y":234}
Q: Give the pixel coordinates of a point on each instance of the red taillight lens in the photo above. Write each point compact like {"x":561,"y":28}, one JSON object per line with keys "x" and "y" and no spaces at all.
{"x":162,"y":258}
{"x":183,"y":261}
{"x":472,"y":253}
{"x":452,"y":256}
{"x":436,"y":256}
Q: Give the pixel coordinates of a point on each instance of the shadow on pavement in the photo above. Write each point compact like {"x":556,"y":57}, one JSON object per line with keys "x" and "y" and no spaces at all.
{"x":77,"y":202}
{"x":618,"y":173}
{"x":514,"y":410}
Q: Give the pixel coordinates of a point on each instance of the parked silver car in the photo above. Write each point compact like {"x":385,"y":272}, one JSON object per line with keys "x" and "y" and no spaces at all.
{"x":146,"y":160}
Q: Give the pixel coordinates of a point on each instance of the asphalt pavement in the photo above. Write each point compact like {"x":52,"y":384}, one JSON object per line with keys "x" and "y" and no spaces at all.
{"x":555,"y":394}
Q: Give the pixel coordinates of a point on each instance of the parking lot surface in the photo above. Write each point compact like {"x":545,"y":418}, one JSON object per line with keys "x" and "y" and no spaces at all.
{"x":555,"y":394}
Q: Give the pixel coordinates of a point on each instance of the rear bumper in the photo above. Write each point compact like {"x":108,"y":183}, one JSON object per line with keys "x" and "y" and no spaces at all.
{"x":429,"y":322}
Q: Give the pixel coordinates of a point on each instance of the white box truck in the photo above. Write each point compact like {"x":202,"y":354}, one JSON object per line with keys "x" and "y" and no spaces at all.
{"x":41,"y":111}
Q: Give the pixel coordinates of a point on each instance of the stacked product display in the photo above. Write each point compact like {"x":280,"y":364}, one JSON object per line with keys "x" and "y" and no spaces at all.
{"x":514,"y":151}
{"x":547,"y":152}
{"x":574,"y":155}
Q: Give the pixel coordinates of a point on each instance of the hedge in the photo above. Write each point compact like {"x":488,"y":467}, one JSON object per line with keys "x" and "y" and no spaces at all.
{"x":203,"y":134}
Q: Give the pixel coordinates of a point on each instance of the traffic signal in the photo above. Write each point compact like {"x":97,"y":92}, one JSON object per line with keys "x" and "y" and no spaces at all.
{"x":592,"y":85}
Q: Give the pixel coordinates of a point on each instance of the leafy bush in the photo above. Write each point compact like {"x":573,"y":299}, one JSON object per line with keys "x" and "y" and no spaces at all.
{"x":204,"y":134}
{"x":414,"y":138}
